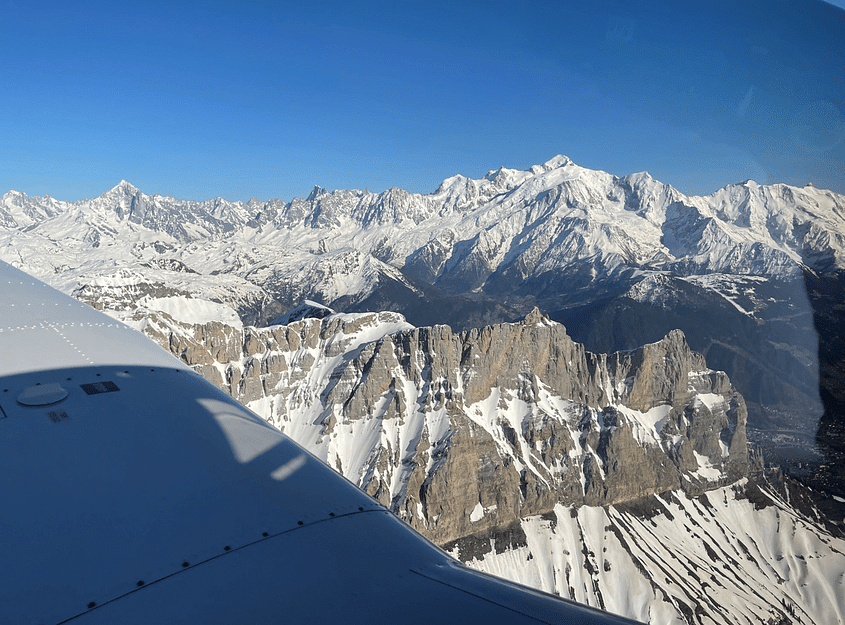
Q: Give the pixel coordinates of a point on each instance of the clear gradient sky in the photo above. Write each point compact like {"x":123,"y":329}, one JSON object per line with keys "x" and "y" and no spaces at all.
{"x":266,"y":99}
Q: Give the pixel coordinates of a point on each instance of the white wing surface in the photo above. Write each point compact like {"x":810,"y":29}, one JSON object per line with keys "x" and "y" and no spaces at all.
{"x":132,"y":491}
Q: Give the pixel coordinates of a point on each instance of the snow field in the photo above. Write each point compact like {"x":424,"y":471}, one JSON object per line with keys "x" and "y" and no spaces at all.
{"x":739,"y":564}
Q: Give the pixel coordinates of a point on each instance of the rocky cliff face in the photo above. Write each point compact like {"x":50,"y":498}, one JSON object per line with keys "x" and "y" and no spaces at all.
{"x":614,"y":480}
{"x":466,"y":433}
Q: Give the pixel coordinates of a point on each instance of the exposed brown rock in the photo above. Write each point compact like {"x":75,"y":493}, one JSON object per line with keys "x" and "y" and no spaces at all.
{"x":567,"y":426}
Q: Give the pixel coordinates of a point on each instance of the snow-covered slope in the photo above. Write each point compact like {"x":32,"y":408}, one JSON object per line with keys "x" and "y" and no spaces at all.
{"x":734,"y":555}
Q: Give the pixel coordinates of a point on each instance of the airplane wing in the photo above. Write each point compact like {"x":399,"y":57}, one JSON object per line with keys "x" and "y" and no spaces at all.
{"x":133,"y":491}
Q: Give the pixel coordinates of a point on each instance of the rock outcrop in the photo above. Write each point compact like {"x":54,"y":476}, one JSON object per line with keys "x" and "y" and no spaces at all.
{"x":464,"y":434}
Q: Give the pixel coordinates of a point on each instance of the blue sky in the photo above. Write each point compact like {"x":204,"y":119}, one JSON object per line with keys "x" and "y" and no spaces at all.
{"x":267,"y":99}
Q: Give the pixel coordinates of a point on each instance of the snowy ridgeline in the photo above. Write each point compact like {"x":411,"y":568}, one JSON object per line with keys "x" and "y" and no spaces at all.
{"x":635,"y":220}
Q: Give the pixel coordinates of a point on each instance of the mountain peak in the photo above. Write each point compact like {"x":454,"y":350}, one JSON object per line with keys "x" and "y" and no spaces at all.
{"x":316,"y":192}
{"x":535,"y":317}
{"x":558,"y":161}
{"x":124,"y":187}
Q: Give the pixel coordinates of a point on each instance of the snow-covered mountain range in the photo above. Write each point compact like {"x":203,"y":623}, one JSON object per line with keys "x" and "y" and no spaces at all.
{"x":521,"y":229}
{"x":510,"y":227}
{"x":619,"y":261}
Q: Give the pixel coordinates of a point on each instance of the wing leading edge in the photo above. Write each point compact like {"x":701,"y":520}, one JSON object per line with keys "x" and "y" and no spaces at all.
{"x":135,"y":491}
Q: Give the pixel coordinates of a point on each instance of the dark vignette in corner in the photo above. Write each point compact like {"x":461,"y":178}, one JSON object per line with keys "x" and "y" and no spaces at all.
{"x":827,"y":297}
